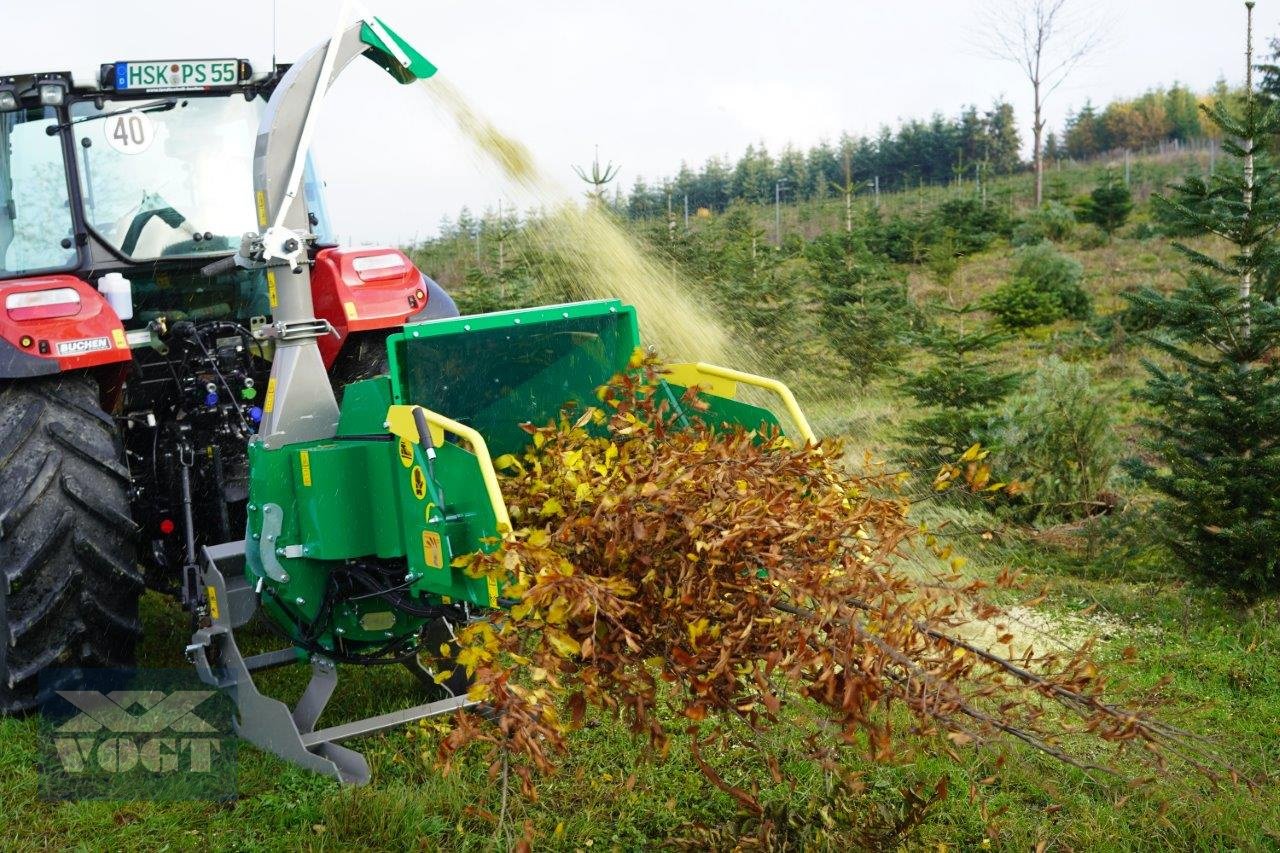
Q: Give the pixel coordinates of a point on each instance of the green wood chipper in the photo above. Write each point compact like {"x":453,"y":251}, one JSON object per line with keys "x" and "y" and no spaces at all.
{"x":347,"y":520}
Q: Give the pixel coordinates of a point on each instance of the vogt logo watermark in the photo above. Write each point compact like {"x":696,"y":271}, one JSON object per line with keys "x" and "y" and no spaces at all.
{"x":158,"y":751}
{"x":135,"y":734}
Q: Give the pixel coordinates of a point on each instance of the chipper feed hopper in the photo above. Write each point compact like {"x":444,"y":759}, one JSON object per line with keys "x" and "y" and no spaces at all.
{"x":198,"y":412}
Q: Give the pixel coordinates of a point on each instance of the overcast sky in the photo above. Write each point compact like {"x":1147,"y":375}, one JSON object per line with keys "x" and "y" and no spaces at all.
{"x":652,"y":83}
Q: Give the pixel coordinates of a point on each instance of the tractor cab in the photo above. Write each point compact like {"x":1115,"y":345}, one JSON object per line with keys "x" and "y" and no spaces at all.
{"x":146,"y":171}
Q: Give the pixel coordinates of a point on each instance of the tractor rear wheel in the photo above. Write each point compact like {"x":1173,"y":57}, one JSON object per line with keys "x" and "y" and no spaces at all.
{"x":69,"y":576}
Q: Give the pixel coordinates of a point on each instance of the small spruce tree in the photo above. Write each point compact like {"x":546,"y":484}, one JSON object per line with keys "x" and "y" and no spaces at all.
{"x":1109,"y":205}
{"x":745,"y":275}
{"x":963,"y":391}
{"x":864,"y":310}
{"x":1217,"y":431}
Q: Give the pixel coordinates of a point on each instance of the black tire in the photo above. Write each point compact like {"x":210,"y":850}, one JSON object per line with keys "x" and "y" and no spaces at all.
{"x":364,"y":354}
{"x":69,"y":576}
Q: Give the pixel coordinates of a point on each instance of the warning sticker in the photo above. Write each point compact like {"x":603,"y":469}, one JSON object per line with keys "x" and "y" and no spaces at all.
{"x":350,"y":309}
{"x":273,"y":295}
{"x":118,"y":336}
{"x":406,"y":452}
{"x":304,"y":459}
{"x":213,"y":602}
{"x":270,"y":401}
{"x":432,"y":554}
{"x":418,"y":481}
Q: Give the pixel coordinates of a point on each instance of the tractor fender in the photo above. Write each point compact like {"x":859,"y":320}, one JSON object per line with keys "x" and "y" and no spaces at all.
{"x":439,"y":303}
{"x":364,"y":289}
{"x":55,"y":324}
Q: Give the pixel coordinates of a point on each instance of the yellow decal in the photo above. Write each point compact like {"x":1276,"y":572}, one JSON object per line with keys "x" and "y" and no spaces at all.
{"x":118,"y":335}
{"x":493,"y":591}
{"x":350,"y":308}
{"x":262,"y":209}
{"x":432,"y":553}
{"x":304,"y":459}
{"x":213,"y":601}
{"x":273,"y":296}
{"x":269,"y":403}
{"x":418,"y":481}
{"x":406,"y":452}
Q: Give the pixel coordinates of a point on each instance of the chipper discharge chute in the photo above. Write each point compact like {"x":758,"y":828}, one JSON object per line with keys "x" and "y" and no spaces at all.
{"x":352,"y":539}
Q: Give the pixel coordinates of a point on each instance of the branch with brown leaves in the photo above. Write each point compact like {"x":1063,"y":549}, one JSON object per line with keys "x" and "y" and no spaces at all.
{"x":749,"y":576}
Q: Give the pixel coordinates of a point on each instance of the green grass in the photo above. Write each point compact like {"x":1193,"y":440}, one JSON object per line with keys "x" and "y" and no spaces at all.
{"x":1222,"y":682}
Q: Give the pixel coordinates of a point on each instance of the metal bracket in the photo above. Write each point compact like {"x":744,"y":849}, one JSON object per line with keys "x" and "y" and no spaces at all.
{"x":295,"y":331}
{"x":272,"y":524}
{"x":269,"y":723}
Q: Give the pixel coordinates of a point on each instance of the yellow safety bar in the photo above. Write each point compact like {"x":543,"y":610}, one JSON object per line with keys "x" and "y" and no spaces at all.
{"x":723,"y":382}
{"x":400,"y":422}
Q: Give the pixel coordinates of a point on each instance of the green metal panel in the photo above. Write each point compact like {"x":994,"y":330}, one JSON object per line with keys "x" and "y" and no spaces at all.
{"x":337,"y":485}
{"x":364,"y":407}
{"x":495,"y":371}
{"x":722,"y":414}
{"x":381,"y":53}
{"x":463,"y":527}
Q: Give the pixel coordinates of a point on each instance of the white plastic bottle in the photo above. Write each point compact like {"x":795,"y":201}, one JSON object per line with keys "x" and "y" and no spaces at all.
{"x":118,"y":291}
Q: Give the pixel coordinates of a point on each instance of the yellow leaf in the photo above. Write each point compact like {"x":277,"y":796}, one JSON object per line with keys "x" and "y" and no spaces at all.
{"x":559,"y":611}
{"x":571,"y":459}
{"x":551,"y":507}
{"x":974,"y":453}
{"x":742,"y":487}
{"x":564,"y":645}
{"x":697,"y":628}
{"x":507,"y":460}
{"x":582,"y":493}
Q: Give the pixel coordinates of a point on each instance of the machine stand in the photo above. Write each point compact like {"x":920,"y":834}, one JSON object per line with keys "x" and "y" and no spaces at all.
{"x":269,"y":723}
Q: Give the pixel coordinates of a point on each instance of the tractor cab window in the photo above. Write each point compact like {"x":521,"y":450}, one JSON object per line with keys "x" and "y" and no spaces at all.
{"x":35,"y":212}
{"x":168,"y":177}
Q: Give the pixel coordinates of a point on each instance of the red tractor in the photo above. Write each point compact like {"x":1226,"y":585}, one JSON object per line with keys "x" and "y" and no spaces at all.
{"x":130,"y":381}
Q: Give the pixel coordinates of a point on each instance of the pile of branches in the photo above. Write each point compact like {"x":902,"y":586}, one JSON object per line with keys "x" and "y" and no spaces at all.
{"x":736,"y":574}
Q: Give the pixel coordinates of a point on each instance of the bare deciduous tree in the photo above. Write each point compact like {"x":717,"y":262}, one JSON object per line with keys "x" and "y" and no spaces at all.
{"x":1046,"y":39}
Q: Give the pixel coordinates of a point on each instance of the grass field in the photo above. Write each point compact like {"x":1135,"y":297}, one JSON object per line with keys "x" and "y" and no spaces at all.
{"x":1198,"y":659}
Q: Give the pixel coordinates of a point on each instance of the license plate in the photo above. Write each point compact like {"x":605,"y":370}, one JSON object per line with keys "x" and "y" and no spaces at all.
{"x":177,"y":74}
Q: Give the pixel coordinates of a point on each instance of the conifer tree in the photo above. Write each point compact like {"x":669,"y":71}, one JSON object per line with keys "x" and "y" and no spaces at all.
{"x":1217,"y":432}
{"x":743,"y":272}
{"x":864,"y":309}
{"x":963,"y":391}
{"x":1109,"y":205}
